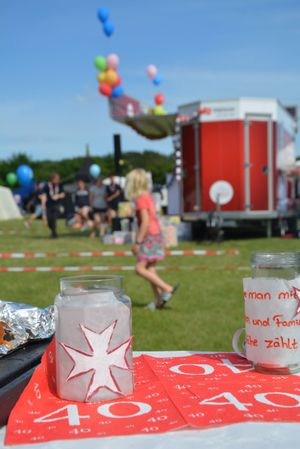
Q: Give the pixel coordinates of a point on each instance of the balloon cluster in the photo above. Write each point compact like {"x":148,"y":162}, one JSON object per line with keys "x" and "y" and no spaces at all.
{"x":159,"y":101}
{"x":153,"y":74}
{"x":103,"y":16}
{"x":108,"y":78}
{"x":24,"y":175}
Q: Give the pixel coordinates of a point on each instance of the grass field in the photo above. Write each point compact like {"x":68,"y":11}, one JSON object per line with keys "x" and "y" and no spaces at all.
{"x":203,"y":314}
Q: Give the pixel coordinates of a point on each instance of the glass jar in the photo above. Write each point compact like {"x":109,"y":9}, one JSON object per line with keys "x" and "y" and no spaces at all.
{"x":93,"y":339}
{"x":272,"y":312}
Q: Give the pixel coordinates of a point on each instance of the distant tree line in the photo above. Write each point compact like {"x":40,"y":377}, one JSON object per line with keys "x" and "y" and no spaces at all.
{"x":158,"y":164}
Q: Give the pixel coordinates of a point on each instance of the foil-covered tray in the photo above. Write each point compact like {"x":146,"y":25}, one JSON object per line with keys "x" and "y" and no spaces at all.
{"x":21,"y":323}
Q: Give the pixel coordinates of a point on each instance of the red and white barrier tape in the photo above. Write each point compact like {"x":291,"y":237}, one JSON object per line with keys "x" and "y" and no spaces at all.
{"x":120,"y":268}
{"x":186,"y":252}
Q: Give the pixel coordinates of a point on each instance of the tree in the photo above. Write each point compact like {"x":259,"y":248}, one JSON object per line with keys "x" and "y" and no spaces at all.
{"x":158,"y":164}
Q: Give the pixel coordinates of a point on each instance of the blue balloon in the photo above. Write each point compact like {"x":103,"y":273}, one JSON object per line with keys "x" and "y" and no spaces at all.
{"x":157,"y":79}
{"x":117,"y":92}
{"x":103,"y":14}
{"x":24,"y":175}
{"x":95,"y":170}
{"x":108,"y":28}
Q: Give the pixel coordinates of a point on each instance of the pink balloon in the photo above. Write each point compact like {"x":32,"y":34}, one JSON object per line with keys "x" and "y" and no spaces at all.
{"x":151,"y":71}
{"x":112,"y":61}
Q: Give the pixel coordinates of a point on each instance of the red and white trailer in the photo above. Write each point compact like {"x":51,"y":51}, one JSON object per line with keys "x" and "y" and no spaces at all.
{"x":248,"y":142}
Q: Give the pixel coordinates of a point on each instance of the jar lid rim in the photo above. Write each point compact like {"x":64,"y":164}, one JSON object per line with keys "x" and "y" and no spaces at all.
{"x":284,"y":258}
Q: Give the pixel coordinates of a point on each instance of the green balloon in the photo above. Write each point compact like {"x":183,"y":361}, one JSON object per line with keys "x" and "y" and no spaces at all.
{"x":11,"y":178}
{"x":100,"y":63}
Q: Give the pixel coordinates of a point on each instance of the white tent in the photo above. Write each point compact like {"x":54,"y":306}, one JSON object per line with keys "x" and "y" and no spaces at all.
{"x":8,"y":207}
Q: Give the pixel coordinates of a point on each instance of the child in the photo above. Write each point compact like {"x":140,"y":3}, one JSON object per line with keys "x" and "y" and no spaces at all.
{"x":149,"y":246}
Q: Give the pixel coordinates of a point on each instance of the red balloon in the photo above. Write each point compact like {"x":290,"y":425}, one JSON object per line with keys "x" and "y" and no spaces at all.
{"x":105,"y":89}
{"x":117,"y":82}
{"x":159,"y":99}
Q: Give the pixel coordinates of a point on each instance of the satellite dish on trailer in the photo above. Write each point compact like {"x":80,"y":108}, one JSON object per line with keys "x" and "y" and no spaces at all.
{"x":221,"y":192}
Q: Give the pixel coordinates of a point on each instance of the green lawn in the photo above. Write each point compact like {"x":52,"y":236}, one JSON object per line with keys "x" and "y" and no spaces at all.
{"x":203,"y":314}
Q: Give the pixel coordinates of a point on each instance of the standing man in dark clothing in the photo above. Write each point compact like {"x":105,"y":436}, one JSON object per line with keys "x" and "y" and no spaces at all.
{"x":114,"y":196}
{"x":54,"y":193}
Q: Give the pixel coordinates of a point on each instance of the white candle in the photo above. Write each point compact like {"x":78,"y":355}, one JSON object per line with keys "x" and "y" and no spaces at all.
{"x":93,"y":345}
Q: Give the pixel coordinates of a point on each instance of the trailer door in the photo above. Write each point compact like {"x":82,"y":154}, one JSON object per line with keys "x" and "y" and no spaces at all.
{"x":188,"y":167}
{"x":259,"y":161}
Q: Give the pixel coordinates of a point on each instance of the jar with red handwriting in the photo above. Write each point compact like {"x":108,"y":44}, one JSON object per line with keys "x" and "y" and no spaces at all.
{"x":272,"y":312}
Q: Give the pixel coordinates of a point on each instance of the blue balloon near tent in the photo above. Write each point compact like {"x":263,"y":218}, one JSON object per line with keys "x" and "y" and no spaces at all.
{"x":103,"y":14}
{"x":108,"y":28}
{"x":157,"y":79}
{"x":95,"y":170}
{"x":117,"y":92}
{"x":24,"y":174}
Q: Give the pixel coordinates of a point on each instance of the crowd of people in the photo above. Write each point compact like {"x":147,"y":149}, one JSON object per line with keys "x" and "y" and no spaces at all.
{"x":95,"y":206}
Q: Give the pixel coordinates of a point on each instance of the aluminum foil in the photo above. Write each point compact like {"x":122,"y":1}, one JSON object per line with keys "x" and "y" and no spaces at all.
{"x":21,"y":323}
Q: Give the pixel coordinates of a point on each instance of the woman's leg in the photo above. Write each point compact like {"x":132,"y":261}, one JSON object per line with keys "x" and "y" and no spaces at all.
{"x":111,"y":213}
{"x":102,"y":224}
{"x":151,"y":276}
{"x":95,"y":224}
{"x":151,"y":266}
{"x":84,"y":211}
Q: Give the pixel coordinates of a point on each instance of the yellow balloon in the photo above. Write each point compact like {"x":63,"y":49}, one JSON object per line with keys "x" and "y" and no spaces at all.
{"x":111,"y":76}
{"x":159,"y":110}
{"x":101,"y":77}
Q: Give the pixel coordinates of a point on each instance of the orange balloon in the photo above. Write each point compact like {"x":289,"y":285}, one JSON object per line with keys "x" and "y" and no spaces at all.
{"x":117,"y":82}
{"x":111,"y":77}
{"x":101,"y":77}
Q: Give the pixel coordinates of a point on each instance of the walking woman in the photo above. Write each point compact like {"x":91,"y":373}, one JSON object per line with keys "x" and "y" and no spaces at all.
{"x":149,"y":245}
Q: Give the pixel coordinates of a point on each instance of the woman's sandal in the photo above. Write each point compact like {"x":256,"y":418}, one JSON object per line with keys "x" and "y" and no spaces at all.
{"x":166,"y":296}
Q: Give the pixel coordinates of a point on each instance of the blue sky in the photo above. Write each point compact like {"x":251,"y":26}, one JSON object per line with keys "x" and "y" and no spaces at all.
{"x":204,"y":49}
